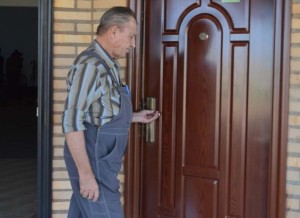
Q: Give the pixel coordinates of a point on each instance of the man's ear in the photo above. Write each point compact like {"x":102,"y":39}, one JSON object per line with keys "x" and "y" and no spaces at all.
{"x":113,"y":31}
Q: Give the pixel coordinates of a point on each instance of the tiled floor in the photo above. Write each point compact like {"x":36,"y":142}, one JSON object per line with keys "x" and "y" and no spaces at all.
{"x":18,"y":188}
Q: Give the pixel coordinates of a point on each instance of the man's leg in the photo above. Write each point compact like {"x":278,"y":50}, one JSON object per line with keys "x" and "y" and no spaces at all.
{"x":74,"y":211}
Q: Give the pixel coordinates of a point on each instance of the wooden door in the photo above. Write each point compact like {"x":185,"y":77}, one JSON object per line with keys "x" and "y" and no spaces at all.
{"x":210,"y":65}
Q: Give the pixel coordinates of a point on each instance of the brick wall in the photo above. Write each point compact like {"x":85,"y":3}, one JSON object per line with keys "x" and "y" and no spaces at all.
{"x":75,"y":23}
{"x":293,"y":164}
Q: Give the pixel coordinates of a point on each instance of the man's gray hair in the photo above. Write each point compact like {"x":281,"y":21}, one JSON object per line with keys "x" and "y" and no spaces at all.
{"x":116,"y":16}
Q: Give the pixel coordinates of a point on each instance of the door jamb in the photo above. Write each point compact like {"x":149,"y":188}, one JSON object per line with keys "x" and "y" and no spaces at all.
{"x":278,"y":207}
{"x":44,"y":110}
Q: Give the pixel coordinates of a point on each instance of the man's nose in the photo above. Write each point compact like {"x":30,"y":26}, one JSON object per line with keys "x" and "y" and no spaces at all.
{"x":132,"y":43}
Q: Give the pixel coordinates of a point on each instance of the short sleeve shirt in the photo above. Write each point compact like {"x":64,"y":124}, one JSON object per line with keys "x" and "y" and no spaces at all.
{"x":92,"y":96}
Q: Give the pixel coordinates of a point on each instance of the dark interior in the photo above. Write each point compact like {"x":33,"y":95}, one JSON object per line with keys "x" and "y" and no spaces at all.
{"x":18,"y":103}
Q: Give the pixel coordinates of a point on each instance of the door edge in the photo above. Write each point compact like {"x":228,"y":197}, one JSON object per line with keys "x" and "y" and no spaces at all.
{"x":44,"y":110}
{"x":132,"y":163}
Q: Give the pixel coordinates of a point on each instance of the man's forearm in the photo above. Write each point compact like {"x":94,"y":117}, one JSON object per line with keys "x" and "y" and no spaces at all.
{"x":76,"y":145}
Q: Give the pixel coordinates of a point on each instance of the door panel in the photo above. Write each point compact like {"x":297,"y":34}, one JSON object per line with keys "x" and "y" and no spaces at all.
{"x":237,"y":12}
{"x":200,"y":198}
{"x":236,"y":174}
{"x":168,"y":141}
{"x":209,"y":64}
{"x":201,"y":127}
{"x":174,"y":11}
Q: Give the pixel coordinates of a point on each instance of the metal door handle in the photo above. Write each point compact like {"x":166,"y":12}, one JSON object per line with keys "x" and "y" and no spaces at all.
{"x":150,"y":127}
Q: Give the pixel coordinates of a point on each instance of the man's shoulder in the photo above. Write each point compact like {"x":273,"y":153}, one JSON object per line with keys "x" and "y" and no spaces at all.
{"x":88,"y":63}
{"x":86,"y":57}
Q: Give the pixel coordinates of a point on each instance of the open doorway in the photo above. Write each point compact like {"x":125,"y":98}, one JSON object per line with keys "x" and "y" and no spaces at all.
{"x":18,"y":103}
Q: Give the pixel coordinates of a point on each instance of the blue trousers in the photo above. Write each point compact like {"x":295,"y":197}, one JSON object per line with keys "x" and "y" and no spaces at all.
{"x":105,"y":148}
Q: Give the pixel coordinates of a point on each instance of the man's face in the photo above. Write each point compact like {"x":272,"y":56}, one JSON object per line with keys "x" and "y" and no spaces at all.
{"x":124,"y":39}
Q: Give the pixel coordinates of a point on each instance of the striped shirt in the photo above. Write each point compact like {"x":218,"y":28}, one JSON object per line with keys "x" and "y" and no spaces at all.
{"x":92,"y":96}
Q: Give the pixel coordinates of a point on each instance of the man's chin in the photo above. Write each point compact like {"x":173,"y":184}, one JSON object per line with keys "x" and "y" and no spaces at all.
{"x":123,"y":55}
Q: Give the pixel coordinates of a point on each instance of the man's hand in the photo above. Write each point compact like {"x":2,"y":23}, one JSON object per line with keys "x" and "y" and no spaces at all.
{"x":145,"y":116}
{"x":89,"y":187}
{"x":88,"y":184}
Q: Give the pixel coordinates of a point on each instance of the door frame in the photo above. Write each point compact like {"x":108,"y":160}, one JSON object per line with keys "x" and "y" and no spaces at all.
{"x":277,"y":190}
{"x":277,"y":196}
{"x":44,"y":110}
{"x":134,"y":77}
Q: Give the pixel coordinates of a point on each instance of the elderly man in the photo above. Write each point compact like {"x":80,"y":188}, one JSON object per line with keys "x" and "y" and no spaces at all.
{"x":97,"y":118}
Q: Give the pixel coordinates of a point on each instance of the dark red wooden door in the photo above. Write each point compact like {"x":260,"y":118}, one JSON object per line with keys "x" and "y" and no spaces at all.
{"x":210,"y":65}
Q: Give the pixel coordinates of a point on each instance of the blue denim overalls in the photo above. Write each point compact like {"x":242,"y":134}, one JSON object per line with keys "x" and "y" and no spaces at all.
{"x":105,"y":146}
